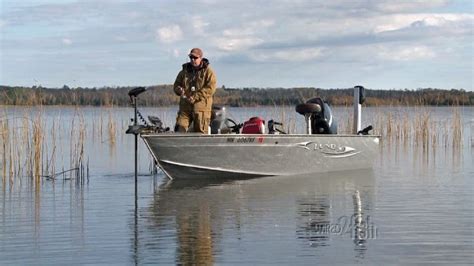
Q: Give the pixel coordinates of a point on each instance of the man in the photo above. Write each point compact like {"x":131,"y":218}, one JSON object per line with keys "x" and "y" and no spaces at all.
{"x":195,"y":84}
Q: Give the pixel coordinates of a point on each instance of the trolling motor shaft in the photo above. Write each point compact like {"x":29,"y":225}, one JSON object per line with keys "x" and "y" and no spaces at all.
{"x":135,"y":130}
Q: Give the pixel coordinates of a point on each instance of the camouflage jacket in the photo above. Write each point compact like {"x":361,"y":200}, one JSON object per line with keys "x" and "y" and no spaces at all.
{"x":199,"y":83}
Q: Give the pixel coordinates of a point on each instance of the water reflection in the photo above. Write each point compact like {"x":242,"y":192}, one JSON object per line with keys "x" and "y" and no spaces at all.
{"x":33,"y":213}
{"x":203,"y":220}
{"x":321,"y":216}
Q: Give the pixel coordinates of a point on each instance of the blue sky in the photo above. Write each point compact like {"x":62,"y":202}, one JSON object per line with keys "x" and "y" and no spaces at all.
{"x":276,"y":43}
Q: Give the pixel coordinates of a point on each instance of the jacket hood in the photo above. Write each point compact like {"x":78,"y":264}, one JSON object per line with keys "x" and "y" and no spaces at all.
{"x":204,"y":64}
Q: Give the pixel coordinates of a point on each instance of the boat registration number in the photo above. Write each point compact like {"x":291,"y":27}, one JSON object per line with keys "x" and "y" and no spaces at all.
{"x":241,"y":140}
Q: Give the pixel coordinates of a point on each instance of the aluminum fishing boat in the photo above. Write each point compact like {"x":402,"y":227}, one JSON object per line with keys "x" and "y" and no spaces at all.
{"x":231,"y":151}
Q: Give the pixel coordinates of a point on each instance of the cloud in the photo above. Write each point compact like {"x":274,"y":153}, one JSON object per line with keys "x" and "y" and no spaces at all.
{"x":248,"y":35}
{"x":406,"y":53}
{"x":121,"y":38}
{"x":401,"y":21}
{"x":169,"y":34}
{"x":249,"y":28}
{"x":66,"y":41}
{"x":236,"y":44}
{"x":289,"y":55}
{"x":407,"y":6}
{"x":176,"y":53}
{"x":199,"y":25}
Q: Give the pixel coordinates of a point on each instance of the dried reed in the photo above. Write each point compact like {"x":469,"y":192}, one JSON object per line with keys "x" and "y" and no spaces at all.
{"x":419,"y":129}
{"x":457,"y":128}
{"x":111,"y":126}
{"x":26,"y":149}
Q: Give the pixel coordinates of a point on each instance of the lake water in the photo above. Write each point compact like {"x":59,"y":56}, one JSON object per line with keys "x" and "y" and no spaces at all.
{"x":415,"y":206}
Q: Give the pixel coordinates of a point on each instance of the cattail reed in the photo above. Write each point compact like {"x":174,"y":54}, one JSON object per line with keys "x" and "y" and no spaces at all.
{"x":4,"y":135}
{"x":457,"y":128}
{"x":37,"y":147}
{"x":111,"y":126}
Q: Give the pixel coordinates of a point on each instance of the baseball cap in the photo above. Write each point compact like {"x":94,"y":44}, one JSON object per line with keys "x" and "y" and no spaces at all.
{"x":196,"y":52}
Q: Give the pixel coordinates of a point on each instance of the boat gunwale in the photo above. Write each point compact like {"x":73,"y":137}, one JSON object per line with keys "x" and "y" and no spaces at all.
{"x":187,"y":135}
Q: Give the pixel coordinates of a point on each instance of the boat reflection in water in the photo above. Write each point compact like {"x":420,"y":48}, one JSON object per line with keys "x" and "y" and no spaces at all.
{"x":259,"y":220}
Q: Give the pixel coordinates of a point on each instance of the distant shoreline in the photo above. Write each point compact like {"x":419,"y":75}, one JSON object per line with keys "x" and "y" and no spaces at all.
{"x":162,"y":95}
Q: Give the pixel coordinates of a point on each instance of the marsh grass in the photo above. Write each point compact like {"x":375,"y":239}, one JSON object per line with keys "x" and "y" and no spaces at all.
{"x":457,"y":131}
{"x":419,"y":129}
{"x":29,"y":147}
{"x":112,"y":129}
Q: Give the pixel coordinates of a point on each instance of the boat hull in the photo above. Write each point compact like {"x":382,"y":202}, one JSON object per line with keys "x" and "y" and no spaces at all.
{"x":246,"y":156}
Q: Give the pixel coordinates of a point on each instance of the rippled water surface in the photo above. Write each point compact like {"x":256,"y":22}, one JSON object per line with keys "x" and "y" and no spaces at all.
{"x":415,"y":206}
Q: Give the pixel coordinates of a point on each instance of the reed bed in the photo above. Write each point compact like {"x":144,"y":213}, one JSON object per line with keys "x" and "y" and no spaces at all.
{"x":30,"y":149}
{"x":419,"y":129}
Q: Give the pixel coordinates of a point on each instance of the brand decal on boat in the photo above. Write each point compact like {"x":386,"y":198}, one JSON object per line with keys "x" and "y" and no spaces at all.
{"x":329,"y":149}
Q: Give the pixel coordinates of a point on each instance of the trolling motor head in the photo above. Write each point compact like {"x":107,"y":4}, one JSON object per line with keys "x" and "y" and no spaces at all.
{"x":135,"y":128}
{"x":135,"y":92}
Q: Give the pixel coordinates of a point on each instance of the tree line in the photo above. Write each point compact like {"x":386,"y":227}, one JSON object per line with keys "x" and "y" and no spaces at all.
{"x":163,"y":95}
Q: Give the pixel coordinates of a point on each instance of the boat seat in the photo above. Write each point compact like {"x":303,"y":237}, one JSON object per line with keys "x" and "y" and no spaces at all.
{"x":318,"y":113}
{"x":308,"y":108}
{"x":312,"y":106}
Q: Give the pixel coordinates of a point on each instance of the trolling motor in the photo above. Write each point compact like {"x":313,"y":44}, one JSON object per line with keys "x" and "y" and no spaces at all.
{"x":135,"y":128}
{"x":156,"y":124}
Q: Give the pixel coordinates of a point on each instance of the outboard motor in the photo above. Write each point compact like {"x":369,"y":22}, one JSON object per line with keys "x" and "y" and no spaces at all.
{"x":221,"y":123}
{"x":218,"y":119}
{"x":318,"y":116}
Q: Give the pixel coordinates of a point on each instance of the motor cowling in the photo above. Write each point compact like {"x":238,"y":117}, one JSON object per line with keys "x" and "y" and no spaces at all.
{"x":218,"y":119}
{"x":320,"y":116}
{"x":221,"y":123}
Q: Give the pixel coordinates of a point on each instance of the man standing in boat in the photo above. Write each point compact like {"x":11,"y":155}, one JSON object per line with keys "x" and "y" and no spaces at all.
{"x":196,"y":85}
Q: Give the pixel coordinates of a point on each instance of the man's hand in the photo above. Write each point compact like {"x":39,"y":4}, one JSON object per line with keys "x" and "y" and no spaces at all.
{"x":179,"y":91}
{"x":190,"y":99}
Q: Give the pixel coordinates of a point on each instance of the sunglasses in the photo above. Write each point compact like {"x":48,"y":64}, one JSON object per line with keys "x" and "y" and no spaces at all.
{"x":192,"y":57}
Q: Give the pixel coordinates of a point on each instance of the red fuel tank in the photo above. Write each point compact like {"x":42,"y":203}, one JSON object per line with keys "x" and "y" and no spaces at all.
{"x":254,"y":125}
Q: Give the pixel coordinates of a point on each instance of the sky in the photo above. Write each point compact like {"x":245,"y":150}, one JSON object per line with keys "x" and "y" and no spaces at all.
{"x":380,"y":44}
